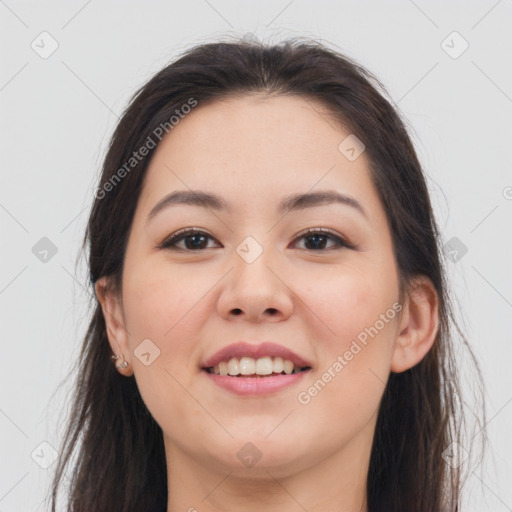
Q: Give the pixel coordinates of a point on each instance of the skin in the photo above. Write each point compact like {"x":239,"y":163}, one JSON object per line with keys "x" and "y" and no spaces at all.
{"x":253,"y":151}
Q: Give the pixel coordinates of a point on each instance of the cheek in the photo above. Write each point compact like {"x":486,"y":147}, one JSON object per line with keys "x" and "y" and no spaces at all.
{"x":359,"y":314}
{"x":159,"y":304}
{"x":167,"y":309}
{"x":351,"y":301}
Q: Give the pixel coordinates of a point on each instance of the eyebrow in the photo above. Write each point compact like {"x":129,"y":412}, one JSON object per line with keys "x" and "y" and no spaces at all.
{"x":294,"y":202}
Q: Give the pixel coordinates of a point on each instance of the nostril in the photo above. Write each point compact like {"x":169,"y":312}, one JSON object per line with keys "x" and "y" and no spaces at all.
{"x":270,"y":311}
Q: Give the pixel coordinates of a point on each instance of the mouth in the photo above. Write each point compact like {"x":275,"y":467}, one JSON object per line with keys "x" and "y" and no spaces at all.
{"x":262,"y":367}
{"x":255,"y":369}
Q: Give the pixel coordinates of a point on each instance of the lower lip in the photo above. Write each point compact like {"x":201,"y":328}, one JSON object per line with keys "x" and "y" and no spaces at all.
{"x":255,"y":385}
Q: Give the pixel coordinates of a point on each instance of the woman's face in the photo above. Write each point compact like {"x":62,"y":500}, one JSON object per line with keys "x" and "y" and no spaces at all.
{"x":326,"y":300}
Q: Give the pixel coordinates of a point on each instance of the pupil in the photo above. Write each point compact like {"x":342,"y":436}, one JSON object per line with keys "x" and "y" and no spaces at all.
{"x":316,"y":239}
{"x":195,"y":241}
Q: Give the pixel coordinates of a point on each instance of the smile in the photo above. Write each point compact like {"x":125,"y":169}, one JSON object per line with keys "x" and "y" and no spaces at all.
{"x":250,"y":367}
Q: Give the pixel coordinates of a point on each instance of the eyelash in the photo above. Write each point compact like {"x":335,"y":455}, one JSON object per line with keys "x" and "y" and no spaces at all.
{"x":171,"y":241}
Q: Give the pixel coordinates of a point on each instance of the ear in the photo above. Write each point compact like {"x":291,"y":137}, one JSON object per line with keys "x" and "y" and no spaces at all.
{"x":117,"y":334}
{"x":418,"y":325}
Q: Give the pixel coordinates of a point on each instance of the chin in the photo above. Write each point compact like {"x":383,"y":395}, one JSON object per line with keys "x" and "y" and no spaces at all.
{"x":255,"y":455}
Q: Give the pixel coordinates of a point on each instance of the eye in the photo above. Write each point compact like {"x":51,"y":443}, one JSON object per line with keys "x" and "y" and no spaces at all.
{"x":192,"y":238}
{"x":316,"y":239}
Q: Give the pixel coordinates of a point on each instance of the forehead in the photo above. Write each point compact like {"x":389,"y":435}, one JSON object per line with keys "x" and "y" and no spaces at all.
{"x":255,"y":126}
{"x":254,"y":146}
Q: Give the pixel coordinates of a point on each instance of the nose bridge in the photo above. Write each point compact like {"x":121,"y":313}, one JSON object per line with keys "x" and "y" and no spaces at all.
{"x":252,"y":261}
{"x":254,"y":290}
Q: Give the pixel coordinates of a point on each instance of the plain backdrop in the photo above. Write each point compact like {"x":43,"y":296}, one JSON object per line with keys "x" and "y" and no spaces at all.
{"x":67,"y":71}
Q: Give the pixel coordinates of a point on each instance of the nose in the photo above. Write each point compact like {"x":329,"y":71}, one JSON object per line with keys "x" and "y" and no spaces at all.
{"x":255,"y":291}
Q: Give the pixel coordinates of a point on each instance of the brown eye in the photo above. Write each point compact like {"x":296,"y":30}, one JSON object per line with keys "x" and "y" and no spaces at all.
{"x":318,"y":240}
{"x":190,"y":240}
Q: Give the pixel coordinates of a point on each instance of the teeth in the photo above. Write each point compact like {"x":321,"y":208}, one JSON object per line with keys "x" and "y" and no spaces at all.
{"x":288,"y":367}
{"x":278,"y":364}
{"x":233,"y":368}
{"x":223,"y":368}
{"x":264,"y":366}
{"x":250,"y":366}
{"x":247,"y":366}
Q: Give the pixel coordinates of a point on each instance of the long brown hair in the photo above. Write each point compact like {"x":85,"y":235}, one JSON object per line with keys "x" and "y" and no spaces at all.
{"x":120,"y":464}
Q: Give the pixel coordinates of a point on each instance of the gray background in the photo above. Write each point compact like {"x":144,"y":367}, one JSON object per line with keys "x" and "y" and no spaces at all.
{"x":58,"y":112}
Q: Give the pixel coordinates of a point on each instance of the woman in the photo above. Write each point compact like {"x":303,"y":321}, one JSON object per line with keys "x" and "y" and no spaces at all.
{"x":272,"y":328}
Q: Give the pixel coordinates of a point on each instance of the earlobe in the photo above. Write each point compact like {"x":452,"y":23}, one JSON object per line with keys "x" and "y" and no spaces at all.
{"x":114,"y":323}
{"x":419,"y":324}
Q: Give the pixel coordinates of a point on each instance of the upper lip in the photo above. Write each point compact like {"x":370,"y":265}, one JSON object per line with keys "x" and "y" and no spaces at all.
{"x":256,"y":351}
